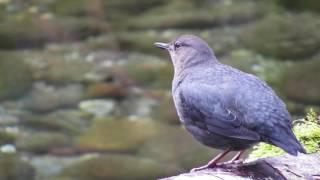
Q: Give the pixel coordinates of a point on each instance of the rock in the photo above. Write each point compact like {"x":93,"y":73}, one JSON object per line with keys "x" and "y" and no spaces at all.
{"x":300,"y":40}
{"x":7,"y":119}
{"x":25,"y":29}
{"x":48,"y":166}
{"x":194,"y":14}
{"x":98,"y":107}
{"x":119,"y":135}
{"x":44,"y":97}
{"x":69,"y":8}
{"x":138,"y":105}
{"x":112,"y":90}
{"x":15,"y":76}
{"x":184,"y":150}
{"x":19,"y":32}
{"x":301,"y":5}
{"x":221,"y":39}
{"x":300,"y":81}
{"x":6,"y":138}
{"x":142,"y":41}
{"x":59,"y":65}
{"x":101,"y":167}
{"x":41,"y":142}
{"x":166,"y":111}
{"x":71,"y":122}
{"x":13,"y":167}
{"x":148,"y":71}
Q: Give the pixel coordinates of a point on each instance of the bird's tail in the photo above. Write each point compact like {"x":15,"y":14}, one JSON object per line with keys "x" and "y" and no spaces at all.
{"x":288,"y":142}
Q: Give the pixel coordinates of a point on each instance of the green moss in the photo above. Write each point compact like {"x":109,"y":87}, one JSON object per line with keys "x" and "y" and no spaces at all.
{"x":149,"y":71}
{"x":313,"y":5}
{"x":15,"y":75}
{"x":120,"y":135}
{"x":13,"y":168}
{"x":41,"y":141}
{"x":69,"y":7}
{"x":280,"y":36}
{"x":195,"y":14}
{"x":300,"y":81}
{"x":306,"y":130}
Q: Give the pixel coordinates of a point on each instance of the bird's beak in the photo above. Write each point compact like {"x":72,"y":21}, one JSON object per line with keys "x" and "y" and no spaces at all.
{"x":162,"y":45}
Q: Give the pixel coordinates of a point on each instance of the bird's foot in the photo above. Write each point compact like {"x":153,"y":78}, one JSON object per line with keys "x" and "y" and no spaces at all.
{"x":230,"y":164}
{"x":225,"y":165}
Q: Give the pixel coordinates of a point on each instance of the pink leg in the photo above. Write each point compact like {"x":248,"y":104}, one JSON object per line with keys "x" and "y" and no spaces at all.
{"x":213,"y":162}
{"x":234,"y":161}
{"x":237,"y":156}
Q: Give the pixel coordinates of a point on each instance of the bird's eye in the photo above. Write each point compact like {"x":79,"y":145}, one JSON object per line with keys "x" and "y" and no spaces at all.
{"x":177,"y":45}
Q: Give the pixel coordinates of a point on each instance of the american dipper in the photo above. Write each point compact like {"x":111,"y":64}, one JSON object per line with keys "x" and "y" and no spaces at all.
{"x":223,"y":107}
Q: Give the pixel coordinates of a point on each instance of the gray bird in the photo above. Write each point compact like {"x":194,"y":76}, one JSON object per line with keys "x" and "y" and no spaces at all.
{"x":223,"y":107}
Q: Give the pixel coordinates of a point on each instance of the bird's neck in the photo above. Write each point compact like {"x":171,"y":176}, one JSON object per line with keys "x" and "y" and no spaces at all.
{"x":188,"y":65}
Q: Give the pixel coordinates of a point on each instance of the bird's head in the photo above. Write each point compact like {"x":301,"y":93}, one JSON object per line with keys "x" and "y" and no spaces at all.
{"x":187,"y":50}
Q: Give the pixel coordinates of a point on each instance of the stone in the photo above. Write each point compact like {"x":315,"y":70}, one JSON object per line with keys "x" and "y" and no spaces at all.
{"x":102,"y":89}
{"x":116,"y":166}
{"x":193,"y":14}
{"x":117,"y":135}
{"x":59,"y":65}
{"x":48,"y":166}
{"x":98,"y":107}
{"x":300,"y":81}
{"x":15,"y":76}
{"x":300,"y":5}
{"x":13,"y":167}
{"x":41,"y":142}
{"x":71,"y":122}
{"x":300,"y":40}
{"x":148,"y":71}
{"x":45,"y":97}
{"x":165,"y":111}
{"x":184,"y":150}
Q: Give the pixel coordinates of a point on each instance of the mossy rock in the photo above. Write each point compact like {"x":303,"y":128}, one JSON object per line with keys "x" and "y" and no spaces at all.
{"x":166,"y":110}
{"x":20,"y":31}
{"x":120,"y":135}
{"x":41,"y":142}
{"x":13,"y":168}
{"x":149,"y":71}
{"x":58,"y":67}
{"x":143,"y":41}
{"x":119,"y":167}
{"x":15,"y":75}
{"x":184,"y":150}
{"x":301,"y":81}
{"x":69,"y":7}
{"x":300,"y":5}
{"x":195,"y":14}
{"x":6,"y":138}
{"x":285,"y":36}
{"x":28,"y":31}
{"x":66,"y":121}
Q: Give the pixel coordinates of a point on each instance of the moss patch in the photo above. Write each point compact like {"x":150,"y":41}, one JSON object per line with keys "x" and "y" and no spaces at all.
{"x":285,"y":36}
{"x":307,"y":132}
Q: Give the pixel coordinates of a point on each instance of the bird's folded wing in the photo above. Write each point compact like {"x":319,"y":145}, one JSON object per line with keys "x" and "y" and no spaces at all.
{"x":207,"y":109}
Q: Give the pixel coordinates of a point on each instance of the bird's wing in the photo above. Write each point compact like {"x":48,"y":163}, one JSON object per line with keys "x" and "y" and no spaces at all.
{"x":205,"y":105}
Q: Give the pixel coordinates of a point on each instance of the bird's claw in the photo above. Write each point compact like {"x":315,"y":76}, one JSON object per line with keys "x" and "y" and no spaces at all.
{"x":228,"y":164}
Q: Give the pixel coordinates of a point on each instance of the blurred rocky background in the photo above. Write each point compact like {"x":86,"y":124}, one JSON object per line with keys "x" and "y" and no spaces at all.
{"x":84,"y":94}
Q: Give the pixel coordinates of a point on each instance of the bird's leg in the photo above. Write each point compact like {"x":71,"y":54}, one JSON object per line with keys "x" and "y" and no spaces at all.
{"x":237,"y":156}
{"x":235,"y":160}
{"x":213,"y":162}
